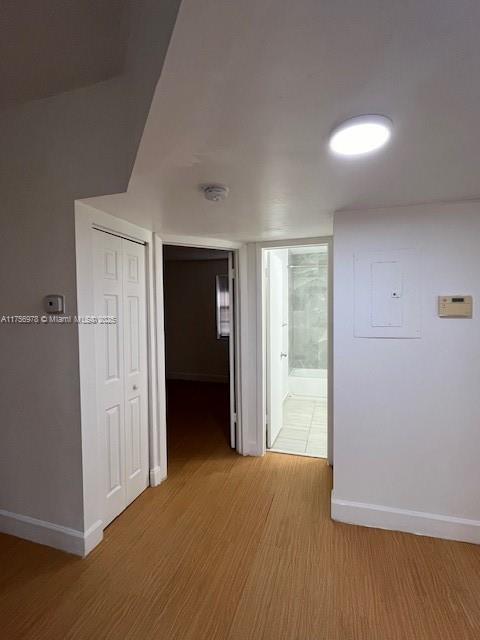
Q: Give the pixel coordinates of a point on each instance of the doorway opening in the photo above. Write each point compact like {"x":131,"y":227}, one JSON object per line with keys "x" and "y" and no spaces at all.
{"x":296,"y":321}
{"x":199,"y":351}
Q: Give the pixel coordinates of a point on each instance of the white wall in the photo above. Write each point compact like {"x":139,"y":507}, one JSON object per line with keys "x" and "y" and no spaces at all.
{"x":407,"y":411}
{"x":53,"y":151}
{"x":193,"y":351}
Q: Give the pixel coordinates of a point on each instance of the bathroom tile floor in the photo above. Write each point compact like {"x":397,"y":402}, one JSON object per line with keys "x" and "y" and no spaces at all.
{"x":304,"y":429}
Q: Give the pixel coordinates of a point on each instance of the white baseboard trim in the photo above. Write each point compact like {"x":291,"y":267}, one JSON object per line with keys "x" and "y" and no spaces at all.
{"x":80,"y":543}
{"x":92,"y":537}
{"x":252,"y":448}
{"x":417,"y":522}
{"x":197,"y":377}
{"x":157,"y":476}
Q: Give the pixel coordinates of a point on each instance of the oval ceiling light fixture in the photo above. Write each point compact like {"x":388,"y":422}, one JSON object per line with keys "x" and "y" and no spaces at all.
{"x":360,"y":135}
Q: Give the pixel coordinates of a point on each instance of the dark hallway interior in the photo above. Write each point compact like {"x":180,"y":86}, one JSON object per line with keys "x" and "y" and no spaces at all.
{"x":197,"y":419}
{"x":197,"y":353}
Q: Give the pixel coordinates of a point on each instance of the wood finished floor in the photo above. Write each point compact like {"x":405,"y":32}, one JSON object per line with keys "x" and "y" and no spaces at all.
{"x":237,"y":548}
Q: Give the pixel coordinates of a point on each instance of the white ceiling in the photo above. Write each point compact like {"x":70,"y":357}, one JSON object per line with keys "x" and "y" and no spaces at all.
{"x":250,"y":91}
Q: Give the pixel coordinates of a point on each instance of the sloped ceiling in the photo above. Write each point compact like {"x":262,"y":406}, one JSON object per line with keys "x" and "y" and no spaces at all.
{"x":51,"y":46}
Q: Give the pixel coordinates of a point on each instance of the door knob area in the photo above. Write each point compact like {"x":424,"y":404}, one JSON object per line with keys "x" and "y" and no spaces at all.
{"x":135,"y":387}
{"x":283,"y":355}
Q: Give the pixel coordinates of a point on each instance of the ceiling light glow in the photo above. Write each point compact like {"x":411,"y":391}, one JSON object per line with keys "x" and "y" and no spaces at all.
{"x":360,"y":135}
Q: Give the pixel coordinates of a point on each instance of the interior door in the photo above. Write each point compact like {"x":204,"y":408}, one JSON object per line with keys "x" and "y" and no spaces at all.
{"x":109,"y":365}
{"x":231,"y":351}
{"x":135,"y":368}
{"x":121,"y":366}
{"x":276,"y":355}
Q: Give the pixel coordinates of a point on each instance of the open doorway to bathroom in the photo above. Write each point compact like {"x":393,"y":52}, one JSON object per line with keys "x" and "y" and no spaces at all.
{"x":296,"y":315}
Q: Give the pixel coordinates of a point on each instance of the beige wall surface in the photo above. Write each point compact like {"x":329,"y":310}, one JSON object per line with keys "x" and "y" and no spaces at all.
{"x":192,"y":348}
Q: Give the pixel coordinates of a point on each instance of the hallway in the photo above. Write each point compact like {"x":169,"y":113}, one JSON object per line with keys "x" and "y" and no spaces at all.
{"x":239,"y":548}
{"x":198,"y":415}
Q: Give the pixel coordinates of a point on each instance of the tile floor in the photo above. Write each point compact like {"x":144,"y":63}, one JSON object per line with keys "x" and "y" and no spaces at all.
{"x":304,"y":427}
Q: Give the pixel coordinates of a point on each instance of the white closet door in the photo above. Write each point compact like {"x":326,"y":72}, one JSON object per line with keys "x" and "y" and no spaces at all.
{"x":110,"y":370}
{"x":135,"y":367}
{"x":121,"y":362}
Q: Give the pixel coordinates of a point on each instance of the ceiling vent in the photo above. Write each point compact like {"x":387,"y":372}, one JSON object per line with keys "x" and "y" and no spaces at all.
{"x":214,"y":192}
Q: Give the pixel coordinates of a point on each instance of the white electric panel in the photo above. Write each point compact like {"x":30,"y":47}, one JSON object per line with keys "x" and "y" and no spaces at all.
{"x":387,"y":294}
{"x":387,"y":303}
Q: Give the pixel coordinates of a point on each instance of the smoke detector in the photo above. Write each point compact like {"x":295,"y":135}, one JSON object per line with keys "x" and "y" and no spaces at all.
{"x":214,"y":192}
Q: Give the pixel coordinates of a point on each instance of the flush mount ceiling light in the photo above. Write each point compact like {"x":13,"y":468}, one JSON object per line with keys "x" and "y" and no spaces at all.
{"x":360,"y":135}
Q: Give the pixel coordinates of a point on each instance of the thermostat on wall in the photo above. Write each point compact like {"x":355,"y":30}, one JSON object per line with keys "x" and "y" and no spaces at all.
{"x":455,"y":306}
{"x":54,"y":303}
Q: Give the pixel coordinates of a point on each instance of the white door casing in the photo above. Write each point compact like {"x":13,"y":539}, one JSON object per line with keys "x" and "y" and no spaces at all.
{"x":276,"y":354}
{"x":231,"y":352}
{"x":121,"y":364}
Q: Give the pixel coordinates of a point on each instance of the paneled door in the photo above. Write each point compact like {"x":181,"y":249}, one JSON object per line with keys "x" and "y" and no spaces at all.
{"x":121,"y":365}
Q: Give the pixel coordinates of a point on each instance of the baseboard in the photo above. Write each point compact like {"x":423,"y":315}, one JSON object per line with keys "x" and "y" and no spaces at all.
{"x":80,"y":543}
{"x":92,"y":537}
{"x":417,"y":522}
{"x":252,"y":449}
{"x":197,"y":377}
{"x":157,"y":476}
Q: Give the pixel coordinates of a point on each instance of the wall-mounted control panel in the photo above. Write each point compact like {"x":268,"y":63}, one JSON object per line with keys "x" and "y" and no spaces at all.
{"x":54,"y":303}
{"x":387,"y":298}
{"x":455,"y":306}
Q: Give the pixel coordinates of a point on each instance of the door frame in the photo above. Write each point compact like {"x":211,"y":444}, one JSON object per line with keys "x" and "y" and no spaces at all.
{"x":261,"y":331}
{"x":267,"y":271}
{"x":235,"y":248}
{"x":87,"y":219}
